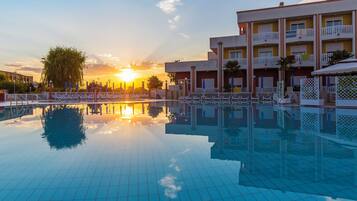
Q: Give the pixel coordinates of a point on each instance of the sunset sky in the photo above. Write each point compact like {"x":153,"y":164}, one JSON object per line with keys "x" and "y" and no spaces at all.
{"x":115,"y":34}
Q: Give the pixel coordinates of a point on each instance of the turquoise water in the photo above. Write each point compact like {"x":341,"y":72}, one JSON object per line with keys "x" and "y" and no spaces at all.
{"x":172,"y":151}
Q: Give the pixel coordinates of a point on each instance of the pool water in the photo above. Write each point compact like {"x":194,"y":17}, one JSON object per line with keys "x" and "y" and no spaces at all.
{"x":171,"y":151}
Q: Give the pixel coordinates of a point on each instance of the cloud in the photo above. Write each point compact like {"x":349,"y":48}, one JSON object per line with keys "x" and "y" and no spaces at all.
{"x":100,"y":65}
{"x":173,"y":22}
{"x":100,"y":70}
{"x":146,"y":65}
{"x":21,"y":66}
{"x":31,"y":69}
{"x":174,"y":165}
{"x":170,"y":185}
{"x":168,"y":6}
{"x":185,"y":36}
{"x":16,"y":65}
{"x":310,"y":1}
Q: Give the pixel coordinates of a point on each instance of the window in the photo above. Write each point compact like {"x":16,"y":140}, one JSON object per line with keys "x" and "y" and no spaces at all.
{"x":237,"y":82}
{"x":235,"y":54}
{"x":266,"y":82}
{"x":208,"y":83}
{"x":297,"y":25}
{"x":333,"y":47}
{"x":263,"y":28}
{"x":265,"y":52}
{"x":296,"y":80}
{"x":334,"y":22}
{"x":298,"y":50}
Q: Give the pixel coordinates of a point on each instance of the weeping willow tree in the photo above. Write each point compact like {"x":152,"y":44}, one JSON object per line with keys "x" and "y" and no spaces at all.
{"x":63,"y":127}
{"x":63,"y":65}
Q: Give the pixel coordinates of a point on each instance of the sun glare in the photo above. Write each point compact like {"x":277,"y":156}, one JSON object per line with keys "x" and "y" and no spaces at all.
{"x":127,"y":75}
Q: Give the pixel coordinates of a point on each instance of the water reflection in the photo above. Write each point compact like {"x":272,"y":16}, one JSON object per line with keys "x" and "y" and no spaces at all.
{"x":7,"y":113}
{"x":154,"y":110}
{"x":304,"y":150}
{"x":63,"y":127}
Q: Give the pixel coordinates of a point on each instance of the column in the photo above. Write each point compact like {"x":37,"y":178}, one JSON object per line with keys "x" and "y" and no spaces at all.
{"x":193,"y":117}
{"x":354,"y":22}
{"x":282,"y":45}
{"x":220,"y":125}
{"x":220,"y":67}
{"x":193,"y":79}
{"x":250,"y":56}
{"x":317,"y":40}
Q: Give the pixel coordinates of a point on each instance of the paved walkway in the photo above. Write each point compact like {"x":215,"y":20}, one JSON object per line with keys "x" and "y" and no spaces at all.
{"x":22,"y":103}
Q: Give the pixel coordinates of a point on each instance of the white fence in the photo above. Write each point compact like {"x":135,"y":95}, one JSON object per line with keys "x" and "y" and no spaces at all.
{"x":23,"y":99}
{"x":346,"y":91}
{"x":310,"y":93}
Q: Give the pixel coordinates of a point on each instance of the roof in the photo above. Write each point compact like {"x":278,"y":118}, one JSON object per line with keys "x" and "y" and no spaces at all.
{"x":296,"y":10}
{"x":348,"y":66}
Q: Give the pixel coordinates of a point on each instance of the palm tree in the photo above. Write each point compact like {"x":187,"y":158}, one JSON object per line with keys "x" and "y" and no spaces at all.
{"x":285,"y":65}
{"x":338,"y":56}
{"x":231,"y":68}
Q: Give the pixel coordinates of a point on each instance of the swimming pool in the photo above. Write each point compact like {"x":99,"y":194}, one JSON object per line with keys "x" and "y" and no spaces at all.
{"x":172,"y":151}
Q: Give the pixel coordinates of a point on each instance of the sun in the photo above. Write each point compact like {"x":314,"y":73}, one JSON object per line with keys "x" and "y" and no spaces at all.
{"x":127,"y":75}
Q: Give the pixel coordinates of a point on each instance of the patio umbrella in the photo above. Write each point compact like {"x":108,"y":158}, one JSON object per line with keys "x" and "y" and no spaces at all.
{"x":348,"y":66}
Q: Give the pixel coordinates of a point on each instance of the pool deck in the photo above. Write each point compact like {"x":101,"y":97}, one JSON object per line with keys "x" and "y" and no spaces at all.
{"x":30,"y":103}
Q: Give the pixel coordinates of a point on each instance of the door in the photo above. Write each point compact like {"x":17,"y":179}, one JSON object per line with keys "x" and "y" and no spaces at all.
{"x":266,"y":82}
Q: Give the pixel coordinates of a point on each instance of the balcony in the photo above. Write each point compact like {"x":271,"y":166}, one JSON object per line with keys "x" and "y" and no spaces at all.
{"x":266,"y":38}
{"x":335,"y":32}
{"x":299,"y":35}
{"x":229,"y":41}
{"x":241,"y":61}
{"x":325,"y":59}
{"x":266,"y":62}
{"x":175,"y":67}
{"x":304,"y":61}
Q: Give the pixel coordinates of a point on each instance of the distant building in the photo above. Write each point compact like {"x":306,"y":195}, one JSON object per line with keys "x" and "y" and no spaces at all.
{"x":18,"y":77}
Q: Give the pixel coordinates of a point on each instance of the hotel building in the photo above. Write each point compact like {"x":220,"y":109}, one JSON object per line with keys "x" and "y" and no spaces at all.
{"x":17,"y":77}
{"x":310,"y":32}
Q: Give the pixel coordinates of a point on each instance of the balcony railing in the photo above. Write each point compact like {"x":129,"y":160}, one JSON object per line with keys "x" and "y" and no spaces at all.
{"x":300,"y":34}
{"x":241,"y":61}
{"x":325,"y":58}
{"x":301,"y":60}
{"x":266,"y":37}
{"x":266,"y":62}
{"x":337,"y":31}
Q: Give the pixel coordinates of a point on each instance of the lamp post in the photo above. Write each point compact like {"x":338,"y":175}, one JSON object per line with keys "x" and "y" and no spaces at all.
{"x":50,"y":89}
{"x":186,"y":87}
{"x":14,"y":79}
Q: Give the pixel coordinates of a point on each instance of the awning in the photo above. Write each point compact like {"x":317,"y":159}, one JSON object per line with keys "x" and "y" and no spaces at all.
{"x":348,"y":66}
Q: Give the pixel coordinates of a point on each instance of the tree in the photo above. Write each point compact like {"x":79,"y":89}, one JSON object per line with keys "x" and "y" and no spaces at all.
{"x":285,"y":65}
{"x":63,"y":65}
{"x":172,"y":77}
{"x":2,"y":77}
{"x":338,"y":56}
{"x":154,"y":111}
{"x":63,"y":127}
{"x":231,"y":68}
{"x":154,"y":83}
